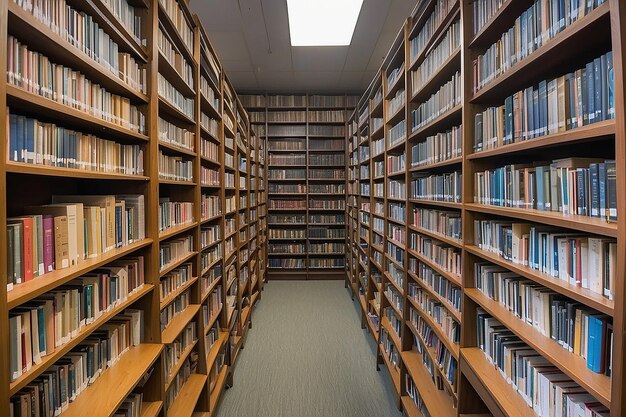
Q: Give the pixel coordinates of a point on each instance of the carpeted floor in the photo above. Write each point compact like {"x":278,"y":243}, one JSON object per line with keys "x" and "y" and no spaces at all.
{"x":307,"y":356}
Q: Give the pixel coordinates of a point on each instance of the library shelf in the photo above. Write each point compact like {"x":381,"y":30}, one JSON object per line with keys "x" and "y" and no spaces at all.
{"x":26,"y":291}
{"x":52,"y":171}
{"x":566,"y":44}
{"x":424,"y":285}
{"x":179,"y":363}
{"x":393,"y":372}
{"x":436,"y":34}
{"x":176,"y":263}
{"x":214,"y":349}
{"x":217,"y":390}
{"x":393,"y":307}
{"x":397,"y":115}
{"x":168,"y":108}
{"x":582,"y":295}
{"x":457,"y":243}
{"x":175,"y":230}
{"x":178,"y":149}
{"x":497,"y":394}
{"x":117,"y":381}
{"x":210,"y":289}
{"x":432,"y":354}
{"x":586,"y":133}
{"x":178,"y":323}
{"x":440,"y":76}
{"x":170,"y":28}
{"x":438,"y":124}
{"x":25,"y":26}
{"x":450,"y":345}
{"x":18,"y":98}
{"x":151,"y":408}
{"x":438,"y":403}
{"x":574,"y":366}
{"x":454,"y":278}
{"x":178,"y":291}
{"x":187,"y":398}
{"x":437,"y":165}
{"x":395,"y":338}
{"x":587,"y":224}
{"x":167,"y":70}
{"x":60,"y":351}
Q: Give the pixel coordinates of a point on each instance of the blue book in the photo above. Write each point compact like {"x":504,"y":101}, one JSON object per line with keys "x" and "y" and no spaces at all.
{"x":29,"y":138}
{"x":13,"y":149}
{"x":539,"y":188}
{"x":21,"y":122}
{"x":610,"y":86}
{"x":602,"y":190}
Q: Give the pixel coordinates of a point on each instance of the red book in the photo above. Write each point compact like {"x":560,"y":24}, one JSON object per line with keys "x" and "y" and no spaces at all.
{"x":48,"y":243}
{"x":27,"y":245}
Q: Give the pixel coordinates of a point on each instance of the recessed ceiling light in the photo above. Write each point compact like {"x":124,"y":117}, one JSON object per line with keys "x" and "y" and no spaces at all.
{"x":322,"y":22}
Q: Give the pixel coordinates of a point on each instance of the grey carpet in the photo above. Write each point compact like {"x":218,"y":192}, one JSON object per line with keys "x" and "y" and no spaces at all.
{"x":307,"y":356}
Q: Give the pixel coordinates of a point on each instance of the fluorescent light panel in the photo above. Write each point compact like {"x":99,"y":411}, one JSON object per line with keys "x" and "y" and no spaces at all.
{"x":322,"y":22}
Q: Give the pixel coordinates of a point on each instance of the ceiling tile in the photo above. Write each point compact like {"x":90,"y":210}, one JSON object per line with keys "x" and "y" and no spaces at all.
{"x":230,"y":45}
{"x":322,"y":58}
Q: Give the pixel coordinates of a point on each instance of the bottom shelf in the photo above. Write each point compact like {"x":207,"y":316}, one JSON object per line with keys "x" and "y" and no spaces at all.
{"x":482,"y":375}
{"x":217,"y":390}
{"x":187,"y":398}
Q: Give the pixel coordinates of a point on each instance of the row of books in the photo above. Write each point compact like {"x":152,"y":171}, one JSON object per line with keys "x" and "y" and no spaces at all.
{"x":45,"y":324}
{"x":177,"y":16}
{"x":396,"y":103}
{"x":173,"y":250}
{"x":189,"y":367}
{"x":210,"y":255}
{"x":437,"y":187}
{"x":396,"y":189}
{"x":555,"y":316}
{"x":287,"y":159}
{"x":173,"y":352}
{"x":83,"y":32}
{"x":287,"y":116}
{"x":438,"y":353}
{"x":581,"y":260}
{"x":177,"y":136}
{"x":209,"y":124}
{"x":397,"y":233}
{"x":287,"y":263}
{"x":34,"y":142}
{"x":445,"y":223}
{"x":328,"y":131}
{"x":174,"y":57}
{"x":132,"y":406}
{"x":69,"y":231}
{"x":327,"y":188}
{"x":174,"y":213}
{"x":281,"y":174}
{"x":287,"y":204}
{"x":286,"y":130}
{"x":174,"y":97}
{"x":396,"y":134}
{"x":174,"y":308}
{"x":336,"y":174}
{"x":35,"y":73}
{"x":174,"y":280}
{"x":175,"y":168}
{"x":210,"y":206}
{"x":209,"y":176}
{"x":323,"y":263}
{"x":327,"y":204}
{"x":442,"y":286}
{"x":212,"y":306}
{"x":437,"y":148}
{"x":287,"y":145}
{"x":576,"y":99}
{"x":577,"y":186}
{"x":393,"y":76}
{"x":376,"y":123}
{"x":423,"y":37}
{"x":396,"y":163}
{"x":326,"y":233}
{"x":287,"y":248}
{"x":334,"y":116}
{"x":544,"y":387}
{"x":448,"y":258}
{"x":62,"y":383}
{"x":437,"y":313}
{"x":287,"y":188}
{"x":396,"y":212}
{"x":436,"y":57}
{"x":326,"y":160}
{"x":534,"y":28}
{"x":326,"y":144}
{"x":287,"y":233}
{"x":443,"y":100}
{"x":288,"y":219}
{"x":209,"y":93}
{"x":128,"y":16}
{"x":327,"y":247}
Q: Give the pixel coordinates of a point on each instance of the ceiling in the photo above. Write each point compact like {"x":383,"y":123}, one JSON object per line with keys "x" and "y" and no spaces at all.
{"x":252,"y":42}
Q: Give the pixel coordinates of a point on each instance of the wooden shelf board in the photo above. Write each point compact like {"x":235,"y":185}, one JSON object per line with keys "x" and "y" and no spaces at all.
{"x":151,"y":408}
{"x":587,"y":224}
{"x":455,"y":313}
{"x":175,"y":264}
{"x":173,"y":231}
{"x":187,"y":398}
{"x":51,"y":171}
{"x":217,"y":390}
{"x":26,"y":291}
{"x":117,"y":382}
{"x":456,"y":279}
{"x":178,"y":323}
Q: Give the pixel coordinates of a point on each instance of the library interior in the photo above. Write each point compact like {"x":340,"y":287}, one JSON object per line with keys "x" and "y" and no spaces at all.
{"x":313,"y":208}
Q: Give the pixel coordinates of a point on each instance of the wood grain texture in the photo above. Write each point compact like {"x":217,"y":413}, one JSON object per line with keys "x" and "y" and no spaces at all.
{"x":308,"y":357}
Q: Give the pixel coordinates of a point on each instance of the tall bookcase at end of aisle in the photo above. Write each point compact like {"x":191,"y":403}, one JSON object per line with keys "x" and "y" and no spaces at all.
{"x":119,"y":297}
{"x":485,"y":245}
{"x":306,"y":181}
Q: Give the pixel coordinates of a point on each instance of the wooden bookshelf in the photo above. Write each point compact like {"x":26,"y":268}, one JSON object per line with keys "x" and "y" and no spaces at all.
{"x":478,"y":387}
{"x":196,"y":131}
{"x":297,"y":139}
